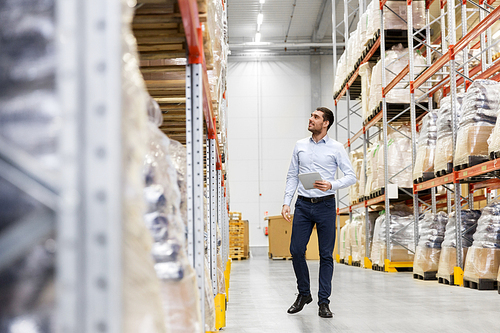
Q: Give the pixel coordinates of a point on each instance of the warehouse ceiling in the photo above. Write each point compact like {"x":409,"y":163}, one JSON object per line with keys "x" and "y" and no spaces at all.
{"x":288,"y":26}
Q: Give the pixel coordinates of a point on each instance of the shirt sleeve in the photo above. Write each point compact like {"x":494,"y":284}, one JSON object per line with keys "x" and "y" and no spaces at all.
{"x":345,"y":165}
{"x":292,"y":178}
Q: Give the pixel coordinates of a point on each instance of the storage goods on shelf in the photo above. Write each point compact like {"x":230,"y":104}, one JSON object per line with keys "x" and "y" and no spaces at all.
{"x":448,"y":258}
{"x":356,"y":157}
{"x":368,"y":26}
{"x":371,"y":168}
{"x":399,"y":159}
{"x":478,"y":116}
{"x":345,"y":249}
{"x":365,"y":71}
{"x":424,"y":163}
{"x":164,"y":218}
{"x":483,"y":257}
{"x":401,"y":236}
{"x":431,"y":236}
{"x":396,"y":60}
{"x":358,"y":238}
{"x":443,"y":158}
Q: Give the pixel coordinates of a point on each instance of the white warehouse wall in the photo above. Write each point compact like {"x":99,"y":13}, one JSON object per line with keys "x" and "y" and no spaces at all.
{"x":269,"y":104}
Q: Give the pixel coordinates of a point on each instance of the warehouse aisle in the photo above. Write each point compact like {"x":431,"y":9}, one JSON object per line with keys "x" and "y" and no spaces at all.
{"x":261,"y":290}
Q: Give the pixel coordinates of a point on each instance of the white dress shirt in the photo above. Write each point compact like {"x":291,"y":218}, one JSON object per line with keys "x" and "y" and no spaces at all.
{"x":324,"y":157}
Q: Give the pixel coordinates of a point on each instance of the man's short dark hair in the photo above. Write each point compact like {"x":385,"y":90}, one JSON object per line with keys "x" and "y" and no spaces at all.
{"x":327,"y":115}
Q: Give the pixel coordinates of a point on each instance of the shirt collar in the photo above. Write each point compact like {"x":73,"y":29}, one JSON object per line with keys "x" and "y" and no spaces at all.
{"x":324,"y":139}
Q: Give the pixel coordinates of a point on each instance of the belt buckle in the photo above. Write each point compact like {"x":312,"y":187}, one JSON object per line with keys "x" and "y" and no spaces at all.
{"x":314,"y":200}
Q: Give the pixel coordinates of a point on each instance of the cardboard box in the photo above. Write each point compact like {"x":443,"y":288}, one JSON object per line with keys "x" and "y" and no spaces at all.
{"x":481,"y":263}
{"x":246,"y":238}
{"x":280,"y":232}
{"x":426,"y":260}
{"x":447,"y":261}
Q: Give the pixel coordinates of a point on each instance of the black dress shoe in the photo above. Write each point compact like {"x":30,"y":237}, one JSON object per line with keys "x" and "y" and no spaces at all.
{"x":324,"y":311}
{"x":299,"y":303}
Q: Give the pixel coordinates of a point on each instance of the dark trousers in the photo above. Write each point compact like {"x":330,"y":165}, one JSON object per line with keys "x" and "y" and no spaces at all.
{"x":306,"y":215}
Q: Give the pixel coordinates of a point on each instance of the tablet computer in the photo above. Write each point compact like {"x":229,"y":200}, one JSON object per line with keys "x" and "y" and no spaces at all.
{"x":308,"y":179}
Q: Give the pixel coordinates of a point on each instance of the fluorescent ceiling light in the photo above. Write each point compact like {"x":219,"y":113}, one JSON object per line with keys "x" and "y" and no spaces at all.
{"x":260,"y":18}
{"x":262,"y":1}
{"x":257,"y":37}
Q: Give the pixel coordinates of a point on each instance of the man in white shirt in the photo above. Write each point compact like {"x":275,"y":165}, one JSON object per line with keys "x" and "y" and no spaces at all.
{"x":317,"y":153}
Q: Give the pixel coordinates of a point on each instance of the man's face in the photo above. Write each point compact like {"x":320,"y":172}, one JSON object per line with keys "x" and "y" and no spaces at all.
{"x":316,"y":122}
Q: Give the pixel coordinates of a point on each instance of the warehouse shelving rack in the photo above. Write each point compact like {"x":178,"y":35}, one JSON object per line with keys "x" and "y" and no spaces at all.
{"x":81,"y":203}
{"x":199,"y":110}
{"x":486,"y":69}
{"x":380,"y":122}
{"x":445,"y":66}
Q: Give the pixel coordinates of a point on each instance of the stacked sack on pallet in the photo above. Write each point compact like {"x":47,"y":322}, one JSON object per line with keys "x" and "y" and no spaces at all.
{"x":371,"y":168}
{"x":401,"y":236}
{"x":355,"y":237}
{"x":424,"y":163}
{"x":494,"y":139}
{"x":365,"y":72}
{"x":356,"y":158}
{"x":478,"y":117}
{"x":345,"y":247}
{"x":399,"y":159}
{"x":448,"y":257}
{"x":431,"y":236}
{"x":396,"y":60}
{"x":164,"y":219}
{"x":368,"y":27}
{"x":443,"y":158}
{"x":483,"y":257}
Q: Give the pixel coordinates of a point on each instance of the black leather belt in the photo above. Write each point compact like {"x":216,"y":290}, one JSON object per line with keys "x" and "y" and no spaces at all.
{"x":315,"y":200}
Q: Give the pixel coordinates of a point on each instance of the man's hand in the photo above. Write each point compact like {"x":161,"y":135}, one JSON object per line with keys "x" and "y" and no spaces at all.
{"x":322,"y":185}
{"x":285,"y":212}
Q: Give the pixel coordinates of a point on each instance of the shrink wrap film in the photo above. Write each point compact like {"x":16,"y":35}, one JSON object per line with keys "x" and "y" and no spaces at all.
{"x":356,"y":158}
{"x":347,"y":241}
{"x":483,"y":258}
{"x":164,"y":220}
{"x":426,"y":147}
{"x":343,"y":236}
{"x":371,"y":173}
{"x":358,"y":238}
{"x":399,"y":159}
{"x":444,"y":145}
{"x":401,"y":236}
{"x":396,"y":60}
{"x":431,"y":236}
{"x":365,"y":71}
{"x":478,"y":117}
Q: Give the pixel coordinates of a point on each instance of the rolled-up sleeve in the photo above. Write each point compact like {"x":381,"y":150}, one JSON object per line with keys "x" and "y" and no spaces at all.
{"x":292,"y":178}
{"x":345,"y":166}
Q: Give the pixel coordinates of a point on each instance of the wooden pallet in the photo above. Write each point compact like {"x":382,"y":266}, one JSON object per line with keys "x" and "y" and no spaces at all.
{"x":431,"y":276}
{"x":471,"y":161}
{"x":447,"y":280}
{"x":482,"y":284}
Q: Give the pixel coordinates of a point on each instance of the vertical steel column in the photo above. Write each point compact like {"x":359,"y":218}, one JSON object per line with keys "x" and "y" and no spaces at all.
{"x":69,"y":273}
{"x":448,"y":200}
{"x":366,"y":135}
{"x":194,"y":175}
{"x":484,"y":62}
{"x":335,"y":110}
{"x":212,"y":186}
{"x":385,"y":124}
{"x":465,"y":52}
{"x":428,"y":85}
{"x":470,"y":190}
{"x":444,"y":45}
{"x":102,"y":169}
{"x":453,"y":93}
{"x":347,"y":93}
{"x":225,"y":239}
{"x":411,"y":56}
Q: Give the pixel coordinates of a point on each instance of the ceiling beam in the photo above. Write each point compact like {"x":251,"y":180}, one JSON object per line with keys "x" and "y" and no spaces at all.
{"x":323,"y":21}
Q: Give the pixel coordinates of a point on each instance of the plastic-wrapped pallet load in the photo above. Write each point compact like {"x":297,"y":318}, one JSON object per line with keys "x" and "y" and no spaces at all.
{"x":343,"y":240}
{"x":396,"y":11}
{"x":424,"y":163}
{"x":431,"y":236}
{"x":479,"y":114}
{"x":357,"y":235}
{"x":483,"y":257}
{"x":494,"y":139}
{"x":371,"y":170}
{"x":399,"y":159}
{"x":347,"y":242}
{"x":396,"y":60}
{"x":164,"y":220}
{"x":341,"y":74}
{"x":401,"y":233}
{"x":356,"y":158}
{"x":448,"y":257}
{"x":365,"y":71}
{"x":209,"y":293}
{"x":443,"y":157}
